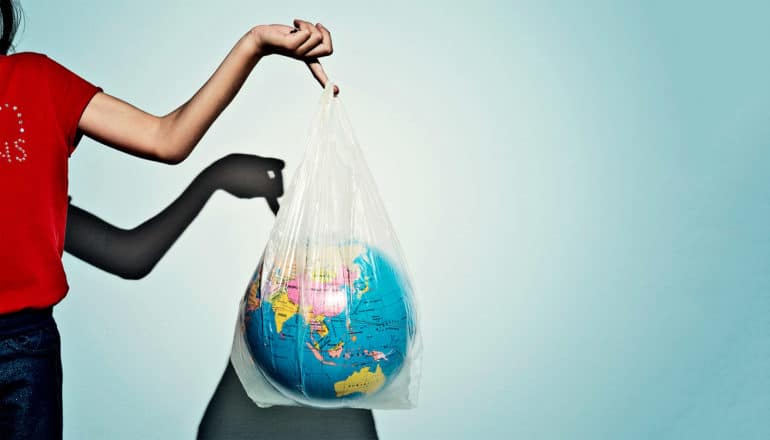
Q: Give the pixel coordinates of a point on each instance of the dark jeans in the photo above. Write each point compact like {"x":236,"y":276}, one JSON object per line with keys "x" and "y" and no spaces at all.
{"x":30,"y":376}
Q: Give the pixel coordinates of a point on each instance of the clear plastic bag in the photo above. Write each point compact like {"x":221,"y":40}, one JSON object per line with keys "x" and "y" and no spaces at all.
{"x":329,"y":318}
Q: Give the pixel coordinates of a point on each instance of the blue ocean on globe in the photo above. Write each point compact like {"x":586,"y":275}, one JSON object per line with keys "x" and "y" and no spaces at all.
{"x":331,"y":331}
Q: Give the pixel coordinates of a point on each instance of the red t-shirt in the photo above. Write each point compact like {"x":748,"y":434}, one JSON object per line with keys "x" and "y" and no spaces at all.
{"x":41,"y":103}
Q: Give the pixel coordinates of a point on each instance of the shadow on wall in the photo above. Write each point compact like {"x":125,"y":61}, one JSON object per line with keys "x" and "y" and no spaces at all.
{"x":132,"y":254}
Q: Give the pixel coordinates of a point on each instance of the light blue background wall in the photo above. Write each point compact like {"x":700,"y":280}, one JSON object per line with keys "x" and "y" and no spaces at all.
{"x":584,"y":207}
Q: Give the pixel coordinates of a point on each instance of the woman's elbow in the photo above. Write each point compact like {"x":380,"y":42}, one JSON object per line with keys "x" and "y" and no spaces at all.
{"x":171,"y":153}
{"x":171,"y":148}
{"x":173,"y":158}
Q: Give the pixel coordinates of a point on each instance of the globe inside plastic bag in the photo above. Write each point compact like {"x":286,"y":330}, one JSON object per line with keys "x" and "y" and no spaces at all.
{"x":329,"y":317}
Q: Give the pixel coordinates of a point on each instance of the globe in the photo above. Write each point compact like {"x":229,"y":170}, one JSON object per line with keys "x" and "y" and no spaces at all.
{"x":329,"y":325}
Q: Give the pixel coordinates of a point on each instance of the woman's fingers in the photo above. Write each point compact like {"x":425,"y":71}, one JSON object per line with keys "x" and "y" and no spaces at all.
{"x":304,"y":42}
{"x":321,"y":41}
{"x":294,"y":40}
{"x":318,"y":72}
{"x":316,"y":37}
{"x":325,"y":48}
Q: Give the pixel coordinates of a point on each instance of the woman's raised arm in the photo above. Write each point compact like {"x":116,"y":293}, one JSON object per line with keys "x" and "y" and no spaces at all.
{"x":172,"y":137}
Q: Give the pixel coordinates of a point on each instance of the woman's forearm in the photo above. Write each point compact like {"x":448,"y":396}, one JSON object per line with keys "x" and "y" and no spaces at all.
{"x":180,"y":130}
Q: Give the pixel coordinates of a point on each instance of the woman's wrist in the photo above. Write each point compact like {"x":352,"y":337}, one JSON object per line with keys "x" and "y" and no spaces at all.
{"x":254,"y":43}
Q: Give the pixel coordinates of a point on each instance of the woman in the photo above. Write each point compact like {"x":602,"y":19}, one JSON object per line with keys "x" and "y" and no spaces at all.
{"x":44,"y":111}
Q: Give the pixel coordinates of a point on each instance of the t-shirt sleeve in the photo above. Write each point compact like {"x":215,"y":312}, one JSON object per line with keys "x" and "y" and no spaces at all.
{"x":70,"y":94}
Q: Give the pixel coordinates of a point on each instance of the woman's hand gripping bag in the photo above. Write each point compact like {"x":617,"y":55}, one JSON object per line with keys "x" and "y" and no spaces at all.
{"x":329,"y":318}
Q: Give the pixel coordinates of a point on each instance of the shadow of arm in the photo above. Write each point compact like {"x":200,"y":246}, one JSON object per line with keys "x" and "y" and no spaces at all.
{"x":133,"y":253}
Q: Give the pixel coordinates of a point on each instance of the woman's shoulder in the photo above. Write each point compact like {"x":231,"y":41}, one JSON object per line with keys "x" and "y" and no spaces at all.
{"x":32,"y":65}
{"x":31,"y":62}
{"x":27,"y":57}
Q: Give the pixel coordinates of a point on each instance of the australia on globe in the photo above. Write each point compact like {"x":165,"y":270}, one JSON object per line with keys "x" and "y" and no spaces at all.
{"x":329,"y":324}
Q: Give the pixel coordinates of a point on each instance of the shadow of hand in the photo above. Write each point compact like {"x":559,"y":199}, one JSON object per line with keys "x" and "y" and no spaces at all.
{"x":247,"y":175}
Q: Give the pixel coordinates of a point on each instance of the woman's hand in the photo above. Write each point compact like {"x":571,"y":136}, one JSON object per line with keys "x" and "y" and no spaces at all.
{"x":304,"y":42}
